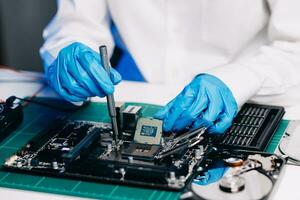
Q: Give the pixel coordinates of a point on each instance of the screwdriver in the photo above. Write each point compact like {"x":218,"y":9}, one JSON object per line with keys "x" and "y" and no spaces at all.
{"x":110,"y":98}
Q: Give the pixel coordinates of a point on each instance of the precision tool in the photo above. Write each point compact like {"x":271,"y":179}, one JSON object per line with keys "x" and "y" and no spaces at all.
{"x":110,"y":98}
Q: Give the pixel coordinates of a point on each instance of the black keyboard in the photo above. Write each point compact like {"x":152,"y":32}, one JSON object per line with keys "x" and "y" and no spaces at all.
{"x":253,"y":127}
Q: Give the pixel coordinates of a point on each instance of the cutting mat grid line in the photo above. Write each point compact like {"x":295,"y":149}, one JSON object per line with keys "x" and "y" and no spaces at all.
{"x":37,"y":117}
{"x":75,"y":186}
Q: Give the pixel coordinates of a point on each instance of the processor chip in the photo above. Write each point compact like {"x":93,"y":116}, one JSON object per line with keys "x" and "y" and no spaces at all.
{"x":148,"y":131}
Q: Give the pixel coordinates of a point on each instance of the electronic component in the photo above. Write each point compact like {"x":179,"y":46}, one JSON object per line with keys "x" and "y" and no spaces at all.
{"x":119,"y":110}
{"x":91,"y":134}
{"x":147,"y":140}
{"x":253,"y":127}
{"x":232,"y":184}
{"x":234,"y":162}
{"x":141,"y":151}
{"x":254,"y":178}
{"x":86,"y":150}
{"x":11,"y":115}
{"x":58,"y":143}
{"x":130,"y":116}
{"x":148,"y":131}
{"x":61,"y":143}
{"x":289,"y":144}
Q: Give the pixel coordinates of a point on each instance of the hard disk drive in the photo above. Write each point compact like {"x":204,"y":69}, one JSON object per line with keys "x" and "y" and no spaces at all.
{"x":248,"y":175}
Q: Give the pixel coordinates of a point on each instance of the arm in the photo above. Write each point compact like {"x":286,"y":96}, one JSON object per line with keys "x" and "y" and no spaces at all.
{"x":71,"y":62}
{"x":211,"y":99}
{"x":276,"y":67}
{"x":81,"y":21}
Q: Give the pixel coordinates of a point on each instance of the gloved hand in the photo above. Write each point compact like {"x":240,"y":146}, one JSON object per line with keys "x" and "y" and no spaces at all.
{"x":212,"y":175}
{"x":77,"y":74}
{"x":206,"y":101}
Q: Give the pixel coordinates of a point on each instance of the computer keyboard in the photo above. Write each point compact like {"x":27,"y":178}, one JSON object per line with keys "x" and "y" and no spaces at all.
{"x":253,"y":127}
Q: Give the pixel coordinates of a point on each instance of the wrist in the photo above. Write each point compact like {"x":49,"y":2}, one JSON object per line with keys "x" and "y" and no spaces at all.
{"x":242,"y":82}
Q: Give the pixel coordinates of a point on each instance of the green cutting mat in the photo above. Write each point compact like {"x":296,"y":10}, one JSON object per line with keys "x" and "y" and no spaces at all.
{"x":37,"y":117}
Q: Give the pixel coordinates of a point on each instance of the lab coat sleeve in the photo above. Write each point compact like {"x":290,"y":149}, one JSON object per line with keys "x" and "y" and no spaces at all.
{"x":77,"y":21}
{"x":276,"y":67}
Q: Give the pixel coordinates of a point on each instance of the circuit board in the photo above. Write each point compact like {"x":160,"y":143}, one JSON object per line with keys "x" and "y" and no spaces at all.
{"x":86,"y":150}
{"x":55,"y":143}
{"x":37,"y":117}
{"x":141,"y":154}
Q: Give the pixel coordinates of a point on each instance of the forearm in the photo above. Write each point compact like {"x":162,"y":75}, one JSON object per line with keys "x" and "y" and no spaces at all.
{"x":77,"y":21}
{"x":275,"y":67}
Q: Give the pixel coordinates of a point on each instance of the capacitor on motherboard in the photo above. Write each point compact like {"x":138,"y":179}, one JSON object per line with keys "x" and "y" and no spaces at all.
{"x":29,"y":162}
{"x":54,"y":164}
{"x":19,"y":164}
{"x":172,"y":175}
{"x":130,"y":159}
{"x":198,"y":154}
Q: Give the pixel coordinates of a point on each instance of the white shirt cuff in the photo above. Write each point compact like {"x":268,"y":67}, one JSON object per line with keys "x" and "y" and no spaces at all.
{"x":242,"y":82}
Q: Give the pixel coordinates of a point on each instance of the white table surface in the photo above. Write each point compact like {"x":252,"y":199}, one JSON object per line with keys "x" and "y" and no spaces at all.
{"x":288,"y":187}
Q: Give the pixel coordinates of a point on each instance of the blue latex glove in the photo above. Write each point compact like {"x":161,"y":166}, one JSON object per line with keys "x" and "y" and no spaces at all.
{"x":206,"y":101}
{"x":212,"y":175}
{"x":77,"y":74}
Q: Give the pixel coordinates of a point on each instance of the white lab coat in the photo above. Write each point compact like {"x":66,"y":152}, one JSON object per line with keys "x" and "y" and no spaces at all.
{"x":252,"y":45}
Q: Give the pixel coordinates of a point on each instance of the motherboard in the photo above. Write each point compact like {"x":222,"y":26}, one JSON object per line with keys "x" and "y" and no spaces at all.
{"x":143,"y":154}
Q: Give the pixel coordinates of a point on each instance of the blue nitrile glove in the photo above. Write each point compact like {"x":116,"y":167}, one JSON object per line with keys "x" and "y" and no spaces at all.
{"x":77,"y":74}
{"x":206,"y":101}
{"x":212,"y":175}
